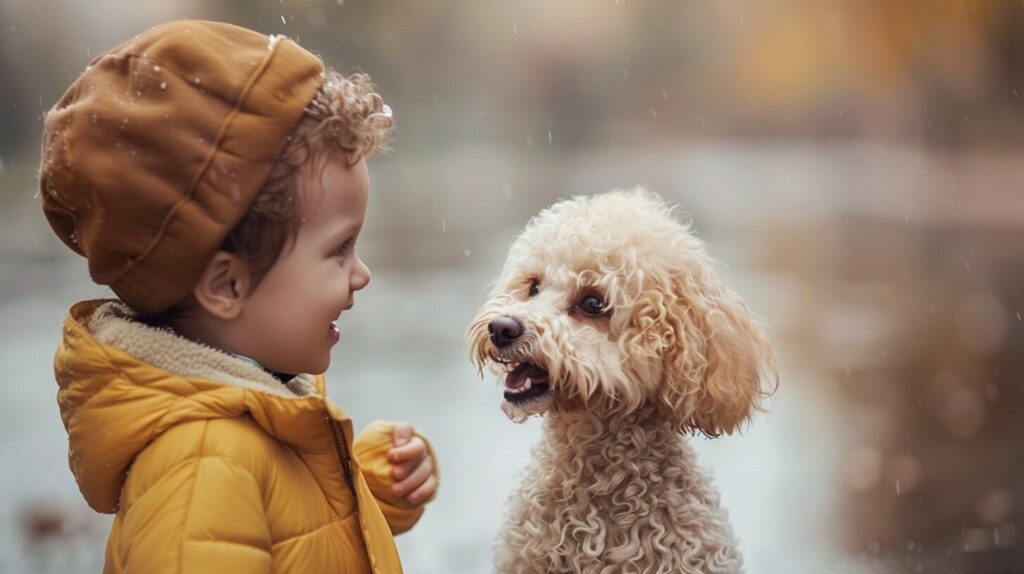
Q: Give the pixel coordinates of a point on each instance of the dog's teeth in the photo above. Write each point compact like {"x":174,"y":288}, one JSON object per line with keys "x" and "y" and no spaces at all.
{"x":527,"y":384}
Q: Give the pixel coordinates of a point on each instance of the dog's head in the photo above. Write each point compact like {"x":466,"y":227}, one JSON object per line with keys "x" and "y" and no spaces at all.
{"x":608,"y":303}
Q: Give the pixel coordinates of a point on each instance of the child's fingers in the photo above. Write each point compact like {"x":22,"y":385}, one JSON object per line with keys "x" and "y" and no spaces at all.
{"x":415,"y":448}
{"x":401,"y":434}
{"x":425,"y":491}
{"x":417,"y":478}
{"x":401,"y":471}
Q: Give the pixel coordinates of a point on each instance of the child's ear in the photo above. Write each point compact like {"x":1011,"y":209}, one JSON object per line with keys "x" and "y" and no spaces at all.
{"x":224,"y":286}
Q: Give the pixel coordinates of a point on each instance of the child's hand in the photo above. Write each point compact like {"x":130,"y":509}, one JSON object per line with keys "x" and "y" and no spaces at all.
{"x":413,"y":466}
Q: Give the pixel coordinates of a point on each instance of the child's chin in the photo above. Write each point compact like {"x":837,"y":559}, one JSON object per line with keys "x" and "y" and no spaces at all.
{"x":311,"y":365}
{"x":320,"y":367}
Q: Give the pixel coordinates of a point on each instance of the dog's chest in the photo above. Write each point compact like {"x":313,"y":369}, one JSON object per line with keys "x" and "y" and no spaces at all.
{"x":585,"y":510}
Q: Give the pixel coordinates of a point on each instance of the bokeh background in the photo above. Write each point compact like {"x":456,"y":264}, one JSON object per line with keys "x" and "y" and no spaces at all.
{"x":856,"y":165}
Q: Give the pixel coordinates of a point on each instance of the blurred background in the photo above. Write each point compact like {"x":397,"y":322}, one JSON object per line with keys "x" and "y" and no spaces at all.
{"x":856,"y":165}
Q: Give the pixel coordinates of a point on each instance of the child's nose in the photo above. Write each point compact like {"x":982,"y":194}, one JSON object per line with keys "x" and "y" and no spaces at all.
{"x":361,"y":276}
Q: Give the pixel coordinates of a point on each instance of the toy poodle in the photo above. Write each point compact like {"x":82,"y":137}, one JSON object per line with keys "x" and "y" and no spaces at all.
{"x":609,"y":319}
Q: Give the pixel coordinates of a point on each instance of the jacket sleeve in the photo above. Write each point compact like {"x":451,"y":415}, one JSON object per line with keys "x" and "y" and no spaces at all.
{"x":205,"y":515}
{"x":371,"y":450}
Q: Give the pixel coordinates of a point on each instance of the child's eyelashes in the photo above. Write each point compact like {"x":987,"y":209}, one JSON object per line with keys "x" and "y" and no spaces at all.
{"x":343,"y":249}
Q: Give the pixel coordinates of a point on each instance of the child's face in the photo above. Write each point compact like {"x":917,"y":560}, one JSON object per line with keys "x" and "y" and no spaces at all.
{"x":292,"y":313}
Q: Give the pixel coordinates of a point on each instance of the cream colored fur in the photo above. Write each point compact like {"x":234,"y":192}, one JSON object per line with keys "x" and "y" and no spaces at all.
{"x":613,"y":486}
{"x":113,"y":324}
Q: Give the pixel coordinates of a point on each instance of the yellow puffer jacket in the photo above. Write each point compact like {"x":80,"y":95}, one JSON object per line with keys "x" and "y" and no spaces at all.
{"x":212,"y":465}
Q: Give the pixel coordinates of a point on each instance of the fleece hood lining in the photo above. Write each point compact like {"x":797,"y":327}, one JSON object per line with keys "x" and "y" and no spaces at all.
{"x":113,"y":323}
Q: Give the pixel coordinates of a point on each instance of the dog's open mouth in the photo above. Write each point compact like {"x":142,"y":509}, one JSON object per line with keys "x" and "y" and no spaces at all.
{"x":526,"y":382}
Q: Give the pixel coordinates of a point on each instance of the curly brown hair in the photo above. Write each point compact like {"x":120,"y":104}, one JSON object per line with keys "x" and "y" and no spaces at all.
{"x":346,"y":115}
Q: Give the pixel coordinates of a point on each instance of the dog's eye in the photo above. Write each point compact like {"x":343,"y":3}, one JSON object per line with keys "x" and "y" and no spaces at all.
{"x":534,"y":287}
{"x":591,"y":305}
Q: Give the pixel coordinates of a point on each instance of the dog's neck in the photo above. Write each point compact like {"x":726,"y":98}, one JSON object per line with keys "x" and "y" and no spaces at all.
{"x":599,"y":455}
{"x":589,"y":433}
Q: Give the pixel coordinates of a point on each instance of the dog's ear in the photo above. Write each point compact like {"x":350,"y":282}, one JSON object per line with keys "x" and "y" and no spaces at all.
{"x":715,"y":359}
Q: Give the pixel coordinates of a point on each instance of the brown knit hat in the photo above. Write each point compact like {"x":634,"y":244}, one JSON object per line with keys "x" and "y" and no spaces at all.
{"x":158,"y":149}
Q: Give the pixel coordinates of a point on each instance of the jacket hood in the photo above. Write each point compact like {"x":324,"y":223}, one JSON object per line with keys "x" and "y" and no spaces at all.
{"x":122,"y":384}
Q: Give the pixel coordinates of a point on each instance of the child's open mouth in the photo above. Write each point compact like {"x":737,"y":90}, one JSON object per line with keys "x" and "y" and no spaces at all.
{"x":525,"y":382}
{"x":333,"y":333}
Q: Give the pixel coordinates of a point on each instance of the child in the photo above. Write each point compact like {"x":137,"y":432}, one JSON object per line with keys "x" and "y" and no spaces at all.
{"x":215,"y":179}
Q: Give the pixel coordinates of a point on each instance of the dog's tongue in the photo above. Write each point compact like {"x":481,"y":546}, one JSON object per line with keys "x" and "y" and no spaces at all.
{"x":517,"y":378}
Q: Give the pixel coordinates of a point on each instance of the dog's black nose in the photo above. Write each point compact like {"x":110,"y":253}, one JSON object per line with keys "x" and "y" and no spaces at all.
{"x":504,"y":331}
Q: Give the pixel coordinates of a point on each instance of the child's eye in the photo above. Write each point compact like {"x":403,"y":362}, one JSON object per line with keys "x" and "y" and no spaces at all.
{"x":343,"y":249}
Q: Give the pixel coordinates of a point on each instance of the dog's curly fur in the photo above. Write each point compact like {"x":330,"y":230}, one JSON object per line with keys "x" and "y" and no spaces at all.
{"x":613,"y":486}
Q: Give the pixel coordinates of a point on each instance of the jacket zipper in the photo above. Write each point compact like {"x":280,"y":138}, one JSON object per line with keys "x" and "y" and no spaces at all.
{"x":344,"y":458}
